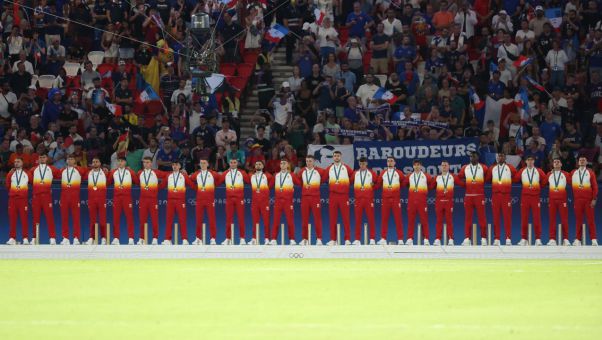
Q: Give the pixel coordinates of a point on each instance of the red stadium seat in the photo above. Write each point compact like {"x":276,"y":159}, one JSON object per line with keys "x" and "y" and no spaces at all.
{"x":250,"y":57}
{"x":218,"y":98}
{"x":245,"y":70}
{"x":366,"y":61}
{"x":227,"y":69}
{"x":343,"y":34}
{"x":238,"y":82}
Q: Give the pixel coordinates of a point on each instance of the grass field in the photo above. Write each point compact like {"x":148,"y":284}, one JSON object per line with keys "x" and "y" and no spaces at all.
{"x":294,"y":299}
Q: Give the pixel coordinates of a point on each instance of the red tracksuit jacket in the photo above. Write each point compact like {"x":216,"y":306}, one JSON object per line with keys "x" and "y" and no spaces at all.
{"x":559,"y":182}
{"x":235,"y":183}
{"x":176,"y":184}
{"x":71,"y":179}
{"x":284,"y":185}
{"x":364,"y":184}
{"x":41,"y":177}
{"x":205,"y":184}
{"x":312,"y":178}
{"x":391,"y":182}
{"x":150,"y":181}
{"x":97,"y":184}
{"x":531,"y":188}
{"x":501,"y":178}
{"x":17,"y":183}
{"x":123,"y":180}
{"x":339,"y":186}
{"x":261,"y":184}
{"x":585,"y":185}
{"x":419,"y":186}
{"x":444,"y":186}
{"x":474,"y":178}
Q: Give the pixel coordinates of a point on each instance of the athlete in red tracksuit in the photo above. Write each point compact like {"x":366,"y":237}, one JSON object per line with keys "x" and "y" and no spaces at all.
{"x":444,"y":202}
{"x":176,"y":183}
{"x":473,"y":175}
{"x":261,"y":183}
{"x":284,"y":188}
{"x":365,"y":182}
{"x":97,"y":200}
{"x":206,"y":181}
{"x":17,"y":184}
{"x":312,"y":177}
{"x":532,"y":180}
{"x":558,"y":181}
{"x":71,"y":179}
{"x":235,"y":180}
{"x":501,"y":176}
{"x":339,"y":177}
{"x":41,"y":177}
{"x":585,"y":191}
{"x":391,"y":180}
{"x":149,"y":180}
{"x":123,"y":179}
{"x":418,"y":183}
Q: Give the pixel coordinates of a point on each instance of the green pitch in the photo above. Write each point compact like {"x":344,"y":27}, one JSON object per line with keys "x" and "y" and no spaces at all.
{"x":301,"y":299}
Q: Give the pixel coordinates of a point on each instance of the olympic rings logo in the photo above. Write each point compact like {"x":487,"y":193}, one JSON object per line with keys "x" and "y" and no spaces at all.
{"x":296,"y":255}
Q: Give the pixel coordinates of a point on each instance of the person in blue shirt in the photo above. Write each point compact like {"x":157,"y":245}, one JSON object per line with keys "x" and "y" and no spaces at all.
{"x":495,"y":88}
{"x":404,"y":53}
{"x":535,"y":152}
{"x":358,"y":22}
{"x":550,"y":130}
{"x":348,"y":77}
{"x":409,"y":78}
{"x":52,"y":108}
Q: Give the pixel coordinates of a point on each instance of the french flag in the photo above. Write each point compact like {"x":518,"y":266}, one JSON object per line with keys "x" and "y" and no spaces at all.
{"x":276,"y":33}
{"x":148,"y":95}
{"x":229,"y":3}
{"x":382,"y":94}
{"x":535,"y":84}
{"x":319,"y":16}
{"x":116,"y":110}
{"x":522,"y":61}
{"x":474,"y":97}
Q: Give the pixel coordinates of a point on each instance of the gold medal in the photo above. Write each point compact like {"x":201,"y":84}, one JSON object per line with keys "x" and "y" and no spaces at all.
{"x":362,"y":188}
{"x":473,"y":181}
{"x":336,"y":182}
{"x":390,"y":187}
{"x":175,"y":190}
{"x":530,"y":186}
{"x":18,"y":187}
{"x":307,"y":187}
{"x":499,"y":182}
{"x":231,"y":187}
{"x":146,"y":188}
{"x":68,"y":185}
{"x":121,"y":187}
{"x":580,"y":186}
{"x":202,"y":189}
{"x":42,"y":182}
{"x":444,"y":192}
{"x":258,"y":191}
{"x":281,"y":189}
{"x":94,"y":188}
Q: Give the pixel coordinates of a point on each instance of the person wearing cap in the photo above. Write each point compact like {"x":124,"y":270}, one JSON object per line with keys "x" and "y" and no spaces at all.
{"x":16,"y":182}
{"x":532,"y":179}
{"x":473,"y":175}
{"x":365,"y":181}
{"x":41,"y":177}
{"x":502,"y":21}
{"x":205,"y":181}
{"x":501,"y":176}
{"x":176,"y":182}
{"x":261,"y":183}
{"x":71,"y":178}
{"x":536,"y":24}
{"x":123,"y":179}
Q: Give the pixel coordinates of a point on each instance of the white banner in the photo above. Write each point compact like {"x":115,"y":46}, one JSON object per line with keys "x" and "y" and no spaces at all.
{"x":323,"y":154}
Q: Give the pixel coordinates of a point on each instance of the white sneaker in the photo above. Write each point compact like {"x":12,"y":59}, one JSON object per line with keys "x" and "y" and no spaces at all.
{"x":538,"y":242}
{"x":409,"y":242}
{"x":115,"y":241}
{"x":11,"y":242}
{"x":33,"y":241}
{"x":450,"y":242}
{"x":155,"y":242}
{"x":522,"y":243}
{"x":130,"y":241}
{"x":483,"y":241}
{"x":576,"y":243}
{"x":90,"y":241}
{"x":185,"y":242}
{"x":141,"y":242}
{"x":437,"y":242}
{"x":496,"y":242}
{"x":566,"y":242}
{"x":103,"y":241}
{"x":552,"y":243}
{"x":508,"y":242}
{"x":52,"y":242}
{"x":466,"y":242}
{"x":65,"y":242}
{"x":226,"y":242}
{"x":253,"y":242}
{"x":76,"y":242}
{"x":266,"y":241}
{"x":372,"y":242}
{"x":197,"y":242}
{"x":399,"y":242}
{"x":426,"y":242}
{"x":319,"y":242}
{"x":594,"y":242}
{"x":382,"y":242}
{"x":303,"y":242}
{"x":25,"y":242}
{"x":292,"y":242}
{"x":166,"y":243}
{"x":212,"y":242}
{"x":347,"y":242}
{"x":330,"y":243}
{"x":273,"y":243}
{"x":357,"y":243}
{"x":242,"y":242}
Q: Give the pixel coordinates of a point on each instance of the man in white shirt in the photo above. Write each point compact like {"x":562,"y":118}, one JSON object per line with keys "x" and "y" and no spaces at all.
{"x":556,"y":61}
{"x":502,"y":21}
{"x":181,"y":90}
{"x":536,"y":135}
{"x":524,"y":34}
{"x":467,"y":19}
{"x":7,"y":98}
{"x":283,"y":111}
{"x":391,"y":23}
{"x":151,"y":152}
{"x":327,"y":37}
{"x":505,"y":74}
{"x":507,"y":50}
{"x":366,"y":92}
{"x":225,"y":136}
{"x":23,"y":59}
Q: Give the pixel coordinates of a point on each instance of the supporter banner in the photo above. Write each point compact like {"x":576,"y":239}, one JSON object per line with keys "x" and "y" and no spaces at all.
{"x":431,"y":153}
{"x":458,"y":215}
{"x":416,"y":123}
{"x":323,"y":154}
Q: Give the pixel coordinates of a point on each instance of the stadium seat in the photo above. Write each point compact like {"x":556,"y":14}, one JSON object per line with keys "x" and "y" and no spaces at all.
{"x":382,"y":78}
{"x":366,"y":61}
{"x":34,"y":79}
{"x":238,"y":82}
{"x":71,"y":68}
{"x":250,"y":57}
{"x":227,"y":69}
{"x":45,"y":81}
{"x":343,"y":35}
{"x":245,"y":70}
{"x":96,"y":58}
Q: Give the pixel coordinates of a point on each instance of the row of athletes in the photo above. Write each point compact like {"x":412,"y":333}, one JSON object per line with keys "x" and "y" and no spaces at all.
{"x":339,"y":177}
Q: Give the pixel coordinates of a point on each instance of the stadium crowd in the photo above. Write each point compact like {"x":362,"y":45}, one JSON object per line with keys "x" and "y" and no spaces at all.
{"x":73,"y":74}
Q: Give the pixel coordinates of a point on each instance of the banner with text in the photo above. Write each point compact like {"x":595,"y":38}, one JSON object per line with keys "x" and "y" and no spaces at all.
{"x":323,"y":154}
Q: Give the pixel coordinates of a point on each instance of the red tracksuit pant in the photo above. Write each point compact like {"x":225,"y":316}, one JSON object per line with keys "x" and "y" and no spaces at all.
{"x":17,"y":207}
{"x":502,"y":207}
{"x":97,"y":210}
{"x":70,"y":203}
{"x":43,"y":203}
{"x":260,"y":209}
{"x":311,"y":204}
{"x":559,"y":206}
{"x":532,"y":204}
{"x":391,"y":205}
{"x":583,"y":207}
{"x":283,"y":206}
{"x":420,"y":209}
{"x":336,"y":203}
{"x":123,"y":203}
{"x":173,"y":207}
{"x":201,"y":206}
{"x":149,"y":207}
{"x":474,"y":203}
{"x":444,"y":210}
{"x":364,"y":205}
{"x":232,"y":205}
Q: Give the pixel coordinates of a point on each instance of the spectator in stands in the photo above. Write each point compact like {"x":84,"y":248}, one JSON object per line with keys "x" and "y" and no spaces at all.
{"x":225,"y":136}
{"x":166,"y":155}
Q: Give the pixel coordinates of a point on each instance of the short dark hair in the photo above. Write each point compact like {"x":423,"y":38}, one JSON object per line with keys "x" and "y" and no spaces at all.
{"x":310,"y":156}
{"x":147,"y":158}
{"x":337,"y":152}
{"x":417,"y":161}
{"x":363,"y":160}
